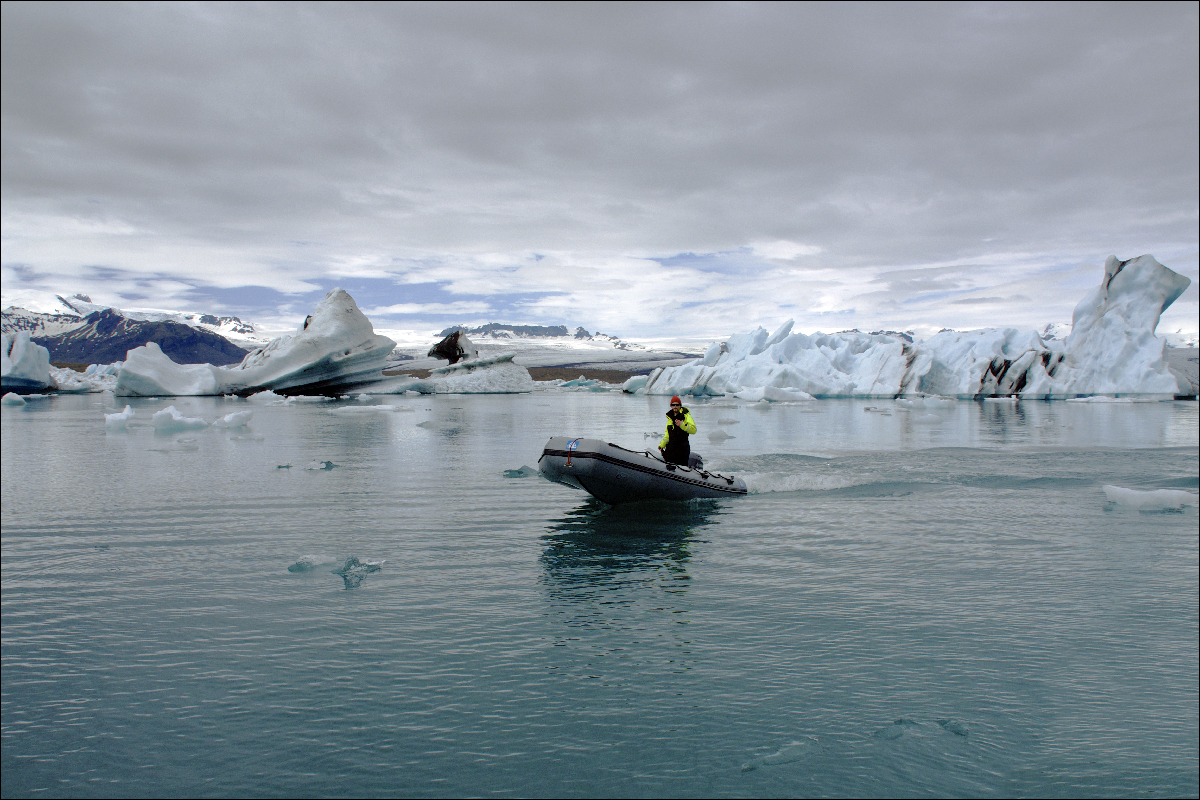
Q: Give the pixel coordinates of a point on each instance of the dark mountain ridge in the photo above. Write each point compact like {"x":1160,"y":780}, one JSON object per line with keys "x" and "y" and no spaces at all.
{"x":106,"y":336}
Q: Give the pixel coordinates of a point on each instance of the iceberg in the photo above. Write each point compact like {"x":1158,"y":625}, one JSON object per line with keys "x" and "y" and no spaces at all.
{"x":12,"y":399}
{"x":488,"y":375}
{"x":1154,"y":500}
{"x":238,"y":419}
{"x":24,"y":366}
{"x":118,"y":421}
{"x":334,"y":350}
{"x":169,"y":420}
{"x":1112,"y":349}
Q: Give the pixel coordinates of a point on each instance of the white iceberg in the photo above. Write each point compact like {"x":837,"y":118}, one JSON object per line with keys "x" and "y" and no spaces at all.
{"x":1156,"y":500}
{"x":24,"y":366}
{"x":169,"y":420}
{"x":12,"y":399}
{"x":489,"y":375}
{"x":1112,"y":349}
{"x":118,"y":421}
{"x":238,"y":419}
{"x":335,"y":349}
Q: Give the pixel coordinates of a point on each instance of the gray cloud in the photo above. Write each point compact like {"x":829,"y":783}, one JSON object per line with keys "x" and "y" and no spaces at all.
{"x":211,"y":140}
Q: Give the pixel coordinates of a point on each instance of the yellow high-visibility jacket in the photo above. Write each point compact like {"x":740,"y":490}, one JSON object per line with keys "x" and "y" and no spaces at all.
{"x":688,"y":426}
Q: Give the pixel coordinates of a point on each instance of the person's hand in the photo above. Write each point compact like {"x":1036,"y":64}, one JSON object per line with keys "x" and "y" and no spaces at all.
{"x":678,"y":423}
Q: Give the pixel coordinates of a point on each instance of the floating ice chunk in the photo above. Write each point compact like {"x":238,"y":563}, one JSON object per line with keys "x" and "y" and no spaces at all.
{"x":24,"y":366}
{"x":492,"y":375}
{"x":320,"y":465}
{"x":635,"y":384}
{"x":353,"y":571}
{"x":799,"y":750}
{"x":364,"y":398}
{"x":112,"y":369}
{"x":148,"y":371}
{"x":309,"y":562}
{"x":1157,"y":500}
{"x":727,"y":421}
{"x":118,"y":421}
{"x":169,"y":420}
{"x":12,"y":399}
{"x":237,"y":419}
{"x":1100,"y":399}
{"x":954,"y":726}
{"x":267,"y":397}
{"x":896,"y":730}
{"x":719,"y":435}
{"x":522,"y":472}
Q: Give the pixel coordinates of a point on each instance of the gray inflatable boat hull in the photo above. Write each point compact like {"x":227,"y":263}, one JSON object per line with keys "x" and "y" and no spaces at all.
{"x":616,"y":475}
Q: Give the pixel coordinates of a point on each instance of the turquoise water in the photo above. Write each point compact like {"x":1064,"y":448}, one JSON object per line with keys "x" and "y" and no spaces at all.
{"x":925,"y":603}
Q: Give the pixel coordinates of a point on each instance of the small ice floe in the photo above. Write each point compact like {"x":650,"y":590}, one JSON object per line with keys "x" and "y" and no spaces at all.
{"x":878,"y":410}
{"x":283,"y":466}
{"x":719,"y":436}
{"x":727,"y":421}
{"x":320,"y":465}
{"x":118,"y":421}
{"x":238,"y":419}
{"x":364,"y":398}
{"x":12,"y":399}
{"x":896,"y":730}
{"x":1099,"y":399}
{"x":954,"y":726}
{"x":268,"y":398}
{"x":583,"y":384}
{"x":353,"y":571}
{"x":651,"y":435}
{"x":1156,"y":500}
{"x":523,"y":472}
{"x":799,"y":750}
{"x":309,"y":563}
{"x":169,"y":420}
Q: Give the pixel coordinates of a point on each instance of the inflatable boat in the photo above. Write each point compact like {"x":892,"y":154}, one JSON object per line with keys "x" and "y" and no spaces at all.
{"x":616,"y":475}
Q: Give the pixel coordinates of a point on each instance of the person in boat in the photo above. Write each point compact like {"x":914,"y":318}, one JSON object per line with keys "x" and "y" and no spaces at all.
{"x":674,"y":446}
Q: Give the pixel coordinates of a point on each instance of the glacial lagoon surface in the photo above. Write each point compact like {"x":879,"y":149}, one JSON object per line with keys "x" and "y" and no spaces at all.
{"x":911,"y":603}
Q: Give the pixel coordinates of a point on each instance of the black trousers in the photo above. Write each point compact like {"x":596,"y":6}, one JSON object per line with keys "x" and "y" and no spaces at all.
{"x":677,"y":452}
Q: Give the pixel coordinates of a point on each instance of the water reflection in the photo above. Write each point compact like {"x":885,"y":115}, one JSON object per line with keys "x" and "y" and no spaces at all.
{"x":598,"y":547}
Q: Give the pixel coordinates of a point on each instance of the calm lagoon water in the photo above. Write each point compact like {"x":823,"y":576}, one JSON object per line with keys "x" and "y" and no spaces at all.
{"x":912,"y":604}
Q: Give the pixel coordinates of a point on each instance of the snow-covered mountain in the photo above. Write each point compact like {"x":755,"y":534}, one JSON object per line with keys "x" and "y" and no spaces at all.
{"x":51,"y":317}
{"x":106,"y":336}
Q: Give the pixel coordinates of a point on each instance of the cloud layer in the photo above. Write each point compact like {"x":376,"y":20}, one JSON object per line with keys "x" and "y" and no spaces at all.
{"x":641,"y":169}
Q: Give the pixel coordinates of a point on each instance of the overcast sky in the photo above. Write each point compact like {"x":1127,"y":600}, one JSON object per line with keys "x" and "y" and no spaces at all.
{"x":644,"y":170}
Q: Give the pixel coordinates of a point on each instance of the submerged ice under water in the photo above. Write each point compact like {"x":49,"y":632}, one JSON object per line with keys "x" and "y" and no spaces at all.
{"x":942,"y":601}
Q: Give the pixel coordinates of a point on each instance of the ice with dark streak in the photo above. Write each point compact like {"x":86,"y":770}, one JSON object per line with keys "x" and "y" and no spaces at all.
{"x":1112,"y":349}
{"x":336,"y":349}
